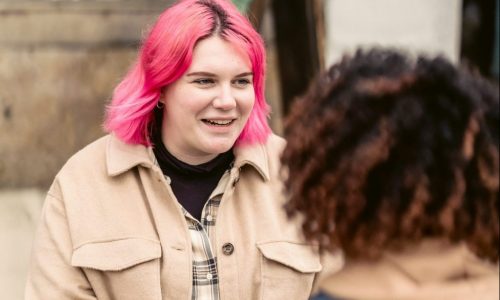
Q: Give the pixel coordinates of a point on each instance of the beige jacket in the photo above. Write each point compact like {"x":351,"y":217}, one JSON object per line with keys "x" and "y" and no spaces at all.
{"x":433,"y":271}
{"x":111,"y":229}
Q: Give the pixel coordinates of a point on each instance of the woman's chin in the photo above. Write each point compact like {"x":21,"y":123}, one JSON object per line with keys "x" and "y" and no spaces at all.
{"x":218,"y":146}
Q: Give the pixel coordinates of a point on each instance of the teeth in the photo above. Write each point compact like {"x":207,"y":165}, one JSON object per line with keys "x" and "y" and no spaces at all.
{"x":219,"y":122}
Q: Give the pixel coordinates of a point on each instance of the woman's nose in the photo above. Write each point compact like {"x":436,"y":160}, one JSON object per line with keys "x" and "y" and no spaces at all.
{"x":225,"y":100}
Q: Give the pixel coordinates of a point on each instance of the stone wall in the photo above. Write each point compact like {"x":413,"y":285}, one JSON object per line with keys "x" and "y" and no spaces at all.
{"x":59,"y":62}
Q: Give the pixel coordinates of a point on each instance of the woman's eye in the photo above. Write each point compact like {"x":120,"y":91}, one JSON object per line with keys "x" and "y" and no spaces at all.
{"x":204,"y":81}
{"x":242,"y":82}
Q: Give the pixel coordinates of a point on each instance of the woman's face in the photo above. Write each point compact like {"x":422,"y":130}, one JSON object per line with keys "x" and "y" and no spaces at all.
{"x":207,"y":108}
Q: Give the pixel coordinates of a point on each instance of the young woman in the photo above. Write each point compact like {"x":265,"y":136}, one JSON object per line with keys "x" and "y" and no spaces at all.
{"x":183,"y":199}
{"x":400,"y":170}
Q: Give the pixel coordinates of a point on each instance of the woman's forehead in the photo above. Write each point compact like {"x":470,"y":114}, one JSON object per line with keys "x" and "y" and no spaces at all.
{"x":215,"y":53}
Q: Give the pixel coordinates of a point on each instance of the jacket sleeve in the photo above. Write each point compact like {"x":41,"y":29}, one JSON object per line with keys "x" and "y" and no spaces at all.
{"x":51,"y":275}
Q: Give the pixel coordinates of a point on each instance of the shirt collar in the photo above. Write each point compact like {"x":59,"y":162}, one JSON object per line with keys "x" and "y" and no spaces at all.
{"x":121,"y":157}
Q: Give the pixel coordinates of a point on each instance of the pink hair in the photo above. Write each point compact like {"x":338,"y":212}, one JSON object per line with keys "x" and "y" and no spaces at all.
{"x":166,"y":54}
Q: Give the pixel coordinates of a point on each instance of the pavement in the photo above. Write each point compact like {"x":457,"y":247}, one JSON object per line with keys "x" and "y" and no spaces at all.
{"x":19,"y":214}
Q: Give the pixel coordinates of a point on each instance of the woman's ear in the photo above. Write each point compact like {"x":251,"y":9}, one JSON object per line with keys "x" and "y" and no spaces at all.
{"x":161,"y":100}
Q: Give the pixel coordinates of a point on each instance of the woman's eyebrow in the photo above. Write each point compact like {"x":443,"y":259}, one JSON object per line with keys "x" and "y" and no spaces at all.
{"x":206,"y":74}
{"x":244,"y":74}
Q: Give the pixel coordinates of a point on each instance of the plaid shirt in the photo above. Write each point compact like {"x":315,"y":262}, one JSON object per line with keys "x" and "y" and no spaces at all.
{"x":205,"y":275}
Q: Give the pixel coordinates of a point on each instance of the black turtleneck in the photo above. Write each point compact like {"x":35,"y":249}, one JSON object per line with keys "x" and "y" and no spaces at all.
{"x":191,"y":184}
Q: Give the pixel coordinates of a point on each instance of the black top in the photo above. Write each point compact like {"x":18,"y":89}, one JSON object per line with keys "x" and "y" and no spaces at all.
{"x":191,"y":184}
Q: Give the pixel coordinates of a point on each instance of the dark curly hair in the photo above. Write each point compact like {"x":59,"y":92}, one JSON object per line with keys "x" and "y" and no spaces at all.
{"x":384,"y":151}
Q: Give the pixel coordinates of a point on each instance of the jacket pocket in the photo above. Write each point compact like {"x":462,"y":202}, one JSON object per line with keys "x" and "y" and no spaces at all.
{"x":121,"y":269}
{"x":288,"y":269}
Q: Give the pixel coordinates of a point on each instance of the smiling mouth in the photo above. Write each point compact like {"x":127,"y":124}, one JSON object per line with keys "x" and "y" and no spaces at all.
{"x":218,"y":122}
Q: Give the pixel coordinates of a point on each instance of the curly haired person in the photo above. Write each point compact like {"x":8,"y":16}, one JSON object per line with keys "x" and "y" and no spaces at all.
{"x":395,"y":161}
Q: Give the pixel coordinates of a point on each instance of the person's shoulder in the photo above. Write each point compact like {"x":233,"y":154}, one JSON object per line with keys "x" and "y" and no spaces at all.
{"x":91,"y":157}
{"x":93,"y":152}
{"x":86,"y":165}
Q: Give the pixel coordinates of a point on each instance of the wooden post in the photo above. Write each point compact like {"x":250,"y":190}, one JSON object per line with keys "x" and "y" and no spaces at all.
{"x":256,"y":12}
{"x":299,"y":35}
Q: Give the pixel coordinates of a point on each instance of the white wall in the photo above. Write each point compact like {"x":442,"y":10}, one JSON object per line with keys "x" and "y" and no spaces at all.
{"x":418,"y":26}
{"x":19,"y":215}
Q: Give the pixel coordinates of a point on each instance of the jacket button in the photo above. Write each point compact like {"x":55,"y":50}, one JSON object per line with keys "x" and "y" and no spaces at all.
{"x":228,"y":249}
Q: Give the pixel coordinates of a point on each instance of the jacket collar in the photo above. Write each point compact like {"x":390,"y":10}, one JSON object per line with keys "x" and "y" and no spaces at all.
{"x":121,"y":157}
{"x":253,"y":155}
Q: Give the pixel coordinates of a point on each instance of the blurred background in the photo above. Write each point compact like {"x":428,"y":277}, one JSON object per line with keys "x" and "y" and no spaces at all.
{"x":60,"y":60}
